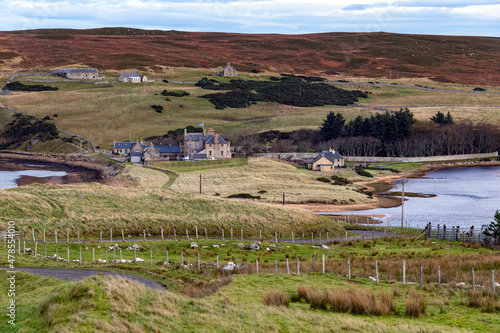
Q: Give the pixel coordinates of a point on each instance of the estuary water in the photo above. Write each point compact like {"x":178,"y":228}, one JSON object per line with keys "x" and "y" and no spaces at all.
{"x":9,"y":178}
{"x":465,"y":197}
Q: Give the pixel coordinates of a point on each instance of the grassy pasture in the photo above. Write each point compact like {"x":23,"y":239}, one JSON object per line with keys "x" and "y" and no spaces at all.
{"x":191,"y":166}
{"x":272,"y":178}
{"x":235,"y":304}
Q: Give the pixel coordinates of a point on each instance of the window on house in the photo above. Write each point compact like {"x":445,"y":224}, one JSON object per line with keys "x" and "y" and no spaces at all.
{"x":222,"y":153}
{"x":210,"y":152}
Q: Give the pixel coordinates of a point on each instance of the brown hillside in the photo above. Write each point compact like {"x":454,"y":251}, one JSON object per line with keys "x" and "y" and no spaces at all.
{"x":467,"y":60}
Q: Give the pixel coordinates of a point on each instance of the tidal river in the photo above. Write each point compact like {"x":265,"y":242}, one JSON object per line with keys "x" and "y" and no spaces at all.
{"x":10,"y":178}
{"x":466,"y":196}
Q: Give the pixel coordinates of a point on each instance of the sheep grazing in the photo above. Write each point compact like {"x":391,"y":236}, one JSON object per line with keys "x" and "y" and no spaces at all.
{"x":139,"y":260}
{"x":229,"y":267}
{"x":114,"y":247}
{"x":193,"y":245}
{"x":254,"y":246}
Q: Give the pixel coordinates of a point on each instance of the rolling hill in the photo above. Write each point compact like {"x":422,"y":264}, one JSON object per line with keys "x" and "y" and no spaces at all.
{"x":458,"y":59}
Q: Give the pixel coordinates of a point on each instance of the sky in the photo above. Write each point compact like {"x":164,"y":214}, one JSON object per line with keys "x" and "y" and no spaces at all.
{"x":438,"y":17}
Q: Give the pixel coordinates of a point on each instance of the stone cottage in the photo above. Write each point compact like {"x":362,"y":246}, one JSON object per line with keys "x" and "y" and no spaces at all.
{"x":78,"y":73}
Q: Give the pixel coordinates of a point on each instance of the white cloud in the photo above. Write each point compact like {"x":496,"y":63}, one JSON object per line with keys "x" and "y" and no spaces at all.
{"x":272,"y":16}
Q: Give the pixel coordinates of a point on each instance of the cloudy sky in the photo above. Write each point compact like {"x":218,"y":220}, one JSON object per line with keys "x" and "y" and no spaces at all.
{"x":443,"y":17}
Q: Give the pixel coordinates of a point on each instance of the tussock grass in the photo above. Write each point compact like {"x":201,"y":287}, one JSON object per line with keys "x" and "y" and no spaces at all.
{"x":276,"y":298}
{"x":415,"y":304}
{"x":483,"y":300}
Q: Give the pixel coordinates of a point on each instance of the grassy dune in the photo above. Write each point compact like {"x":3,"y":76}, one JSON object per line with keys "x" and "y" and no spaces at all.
{"x":93,"y":207}
{"x":272,"y":178}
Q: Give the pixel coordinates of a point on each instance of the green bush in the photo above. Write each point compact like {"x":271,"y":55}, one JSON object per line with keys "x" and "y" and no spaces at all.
{"x":18,"y":86}
{"x":363,"y":172}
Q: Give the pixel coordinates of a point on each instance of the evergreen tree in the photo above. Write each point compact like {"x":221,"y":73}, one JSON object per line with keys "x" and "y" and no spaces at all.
{"x":493,"y":230}
{"x":333,"y":126}
{"x":441,"y":119}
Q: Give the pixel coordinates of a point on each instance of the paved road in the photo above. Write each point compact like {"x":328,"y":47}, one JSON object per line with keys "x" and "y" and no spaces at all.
{"x":80,"y":274}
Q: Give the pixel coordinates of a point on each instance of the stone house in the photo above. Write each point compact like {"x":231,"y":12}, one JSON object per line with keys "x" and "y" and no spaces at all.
{"x":229,"y":70}
{"x":327,"y":161}
{"x":78,"y":73}
{"x":147,"y":152}
{"x":206,"y":145}
{"x":133,"y":78}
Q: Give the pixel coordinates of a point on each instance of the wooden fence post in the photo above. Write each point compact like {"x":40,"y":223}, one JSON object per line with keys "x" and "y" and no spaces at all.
{"x":327,"y":238}
{"x":111,"y":235}
{"x":473,"y":280}
{"x":288,"y":269}
{"x":421,"y":275}
{"x":198,"y":260}
{"x":260,"y":235}
{"x":293,"y":241}
{"x":349,"y":268}
{"x":166,"y":257}
{"x":106,"y":254}
{"x":93,"y":255}
{"x":493,"y":280}
{"x":346,"y":236}
{"x":323,"y":263}
{"x":135,"y":254}
{"x":175,"y":235}
{"x":312,"y":237}
{"x":187,"y":234}
{"x":196,"y":230}
{"x":222,"y":233}
{"x":121,"y":258}
{"x":161,"y":231}
{"x":123,"y":236}
{"x":217,"y":261}
{"x":276,"y":237}
{"x":68,"y":253}
{"x":36,"y":248}
{"x":100,"y":235}
{"x":55,"y":232}
{"x":276,"y":266}
{"x":80,"y":255}
{"x":45,"y":251}
{"x":257,"y":266}
{"x":376,"y":271}
{"x":206,"y":235}
{"x":144,"y":234}
{"x":241,"y":233}
{"x":150,"y":256}
{"x":439,"y":277}
{"x":44,"y":235}
{"x":57,"y":255}
{"x":78,"y":236}
{"x":67,"y":235}
{"x":298,"y":266}
{"x":24,"y":247}
{"x":404,"y":272}
{"x":182,"y":258}
{"x":320,"y":237}
{"x":33,"y":232}
{"x":114,"y":254}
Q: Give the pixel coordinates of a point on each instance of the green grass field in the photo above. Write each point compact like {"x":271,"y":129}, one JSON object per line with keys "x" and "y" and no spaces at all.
{"x":122,"y":111}
{"x":191,"y":166}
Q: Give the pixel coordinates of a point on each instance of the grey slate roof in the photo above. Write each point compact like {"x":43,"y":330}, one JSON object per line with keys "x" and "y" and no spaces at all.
{"x":211,"y":139}
{"x":136,"y":153}
{"x":131,"y":75}
{"x":198,"y":156}
{"x":163,"y":149}
{"x":194,"y":136}
{"x":328,"y":155}
{"x":123,"y":145}
{"x":74,"y":70}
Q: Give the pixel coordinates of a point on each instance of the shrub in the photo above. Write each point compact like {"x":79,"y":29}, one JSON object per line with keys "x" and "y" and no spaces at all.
{"x":243,"y":196}
{"x":363,"y":172}
{"x":479,"y":89}
{"x":324,"y":180}
{"x":337,"y":180}
{"x":415,"y":304}
{"x":276,"y":298}
{"x":175,"y":93}
{"x":157,"y":108}
{"x":18,"y":86}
